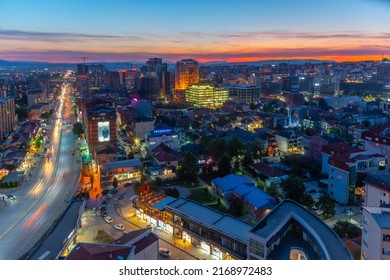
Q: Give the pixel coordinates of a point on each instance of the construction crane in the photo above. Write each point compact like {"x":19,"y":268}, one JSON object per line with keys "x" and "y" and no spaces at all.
{"x":84,"y":58}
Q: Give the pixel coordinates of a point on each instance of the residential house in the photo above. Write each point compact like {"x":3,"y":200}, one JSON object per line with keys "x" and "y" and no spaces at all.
{"x":376,"y":233}
{"x":289,"y":141}
{"x":377,"y":189}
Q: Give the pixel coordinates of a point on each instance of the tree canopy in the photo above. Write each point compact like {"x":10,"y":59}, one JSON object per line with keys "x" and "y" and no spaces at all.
{"x":294,"y":188}
{"x":78,"y":128}
{"x":188,"y":169}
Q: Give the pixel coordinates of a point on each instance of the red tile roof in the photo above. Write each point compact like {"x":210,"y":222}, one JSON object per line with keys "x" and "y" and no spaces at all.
{"x":92,"y":251}
{"x":340,"y":148}
{"x":266,"y":169}
{"x":340,"y":161}
{"x":374,"y":134}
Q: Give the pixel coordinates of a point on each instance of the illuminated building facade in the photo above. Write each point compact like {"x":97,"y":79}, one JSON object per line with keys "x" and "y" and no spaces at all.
{"x":7,"y":116}
{"x":100,"y":124}
{"x":203,"y":95}
{"x":186,"y":74}
{"x":125,"y":171}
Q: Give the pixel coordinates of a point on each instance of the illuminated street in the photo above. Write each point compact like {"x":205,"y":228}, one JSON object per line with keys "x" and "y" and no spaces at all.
{"x":45,"y":195}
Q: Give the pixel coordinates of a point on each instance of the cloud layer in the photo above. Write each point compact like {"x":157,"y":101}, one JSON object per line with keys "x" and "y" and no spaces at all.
{"x":229,"y":46}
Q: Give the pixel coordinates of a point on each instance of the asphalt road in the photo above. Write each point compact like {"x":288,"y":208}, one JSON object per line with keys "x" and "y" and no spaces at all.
{"x":43,"y":197}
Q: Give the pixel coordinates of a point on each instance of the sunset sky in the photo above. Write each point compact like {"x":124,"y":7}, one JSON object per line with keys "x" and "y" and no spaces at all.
{"x":211,"y":30}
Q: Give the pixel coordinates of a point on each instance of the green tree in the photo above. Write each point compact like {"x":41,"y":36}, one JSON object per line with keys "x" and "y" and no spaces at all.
{"x":327,"y":206}
{"x":130,"y":156}
{"x":294,"y":188}
{"x":233,"y":147}
{"x":261,"y":184}
{"x":273,"y":190}
{"x":115,"y":182}
{"x":237,"y":208}
{"x":366,"y":123}
{"x":295,"y":162}
{"x":224,"y":166}
{"x":255,"y":149}
{"x":216,"y":149}
{"x":205,"y":140}
{"x":346,"y":229}
{"x":78,"y":128}
{"x":172,"y":192}
{"x":188,"y":169}
{"x":323,"y":104}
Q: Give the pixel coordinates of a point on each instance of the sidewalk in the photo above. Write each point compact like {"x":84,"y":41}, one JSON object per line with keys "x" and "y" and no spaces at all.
{"x":127,"y":212}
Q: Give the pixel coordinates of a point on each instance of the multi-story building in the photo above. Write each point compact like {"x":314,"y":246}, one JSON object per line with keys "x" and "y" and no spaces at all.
{"x":101,"y":126}
{"x":347,"y":170}
{"x":112,"y":80}
{"x":167,"y":136}
{"x":245,"y":93}
{"x":376,"y":233}
{"x":377,"y":140}
{"x":124,"y":171}
{"x":289,"y":141}
{"x":186,"y":74}
{"x":35,"y":96}
{"x":317,"y":142}
{"x":7,"y":116}
{"x":204,"y":95}
{"x":138,"y":129}
{"x":290,"y":228}
{"x":377,"y":189}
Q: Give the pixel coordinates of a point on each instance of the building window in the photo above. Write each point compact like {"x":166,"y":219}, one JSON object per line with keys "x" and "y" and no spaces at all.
{"x":256,"y":248}
{"x":386,"y":237}
{"x":386,"y":251}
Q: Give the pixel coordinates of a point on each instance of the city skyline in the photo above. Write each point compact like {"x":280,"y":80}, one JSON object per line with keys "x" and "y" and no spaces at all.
{"x":229,"y":31}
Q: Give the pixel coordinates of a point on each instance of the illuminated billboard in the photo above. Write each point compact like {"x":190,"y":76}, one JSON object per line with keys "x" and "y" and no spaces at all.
{"x":103,"y":131}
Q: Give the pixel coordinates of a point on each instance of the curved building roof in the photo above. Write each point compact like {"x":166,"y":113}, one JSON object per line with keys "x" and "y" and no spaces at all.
{"x":331,"y":245}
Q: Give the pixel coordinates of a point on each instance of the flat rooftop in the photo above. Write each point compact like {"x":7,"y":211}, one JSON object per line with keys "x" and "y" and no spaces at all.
{"x":380,"y":179}
{"x":211,"y":218}
{"x":121,"y":164}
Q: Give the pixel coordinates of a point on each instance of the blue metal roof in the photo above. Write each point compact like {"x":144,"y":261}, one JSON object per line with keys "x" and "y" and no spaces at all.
{"x":161,"y":204}
{"x":255,"y":196}
{"x":231,"y":181}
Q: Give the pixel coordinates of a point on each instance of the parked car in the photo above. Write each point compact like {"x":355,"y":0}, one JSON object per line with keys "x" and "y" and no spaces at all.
{"x":108,"y":219}
{"x":114,"y":191}
{"x":108,"y":196}
{"x":164,"y":252}
{"x":126,"y":231}
{"x":119,"y":227}
{"x":11,"y":196}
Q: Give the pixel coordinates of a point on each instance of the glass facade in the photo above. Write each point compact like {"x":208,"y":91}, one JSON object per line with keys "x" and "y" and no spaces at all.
{"x":202,"y":95}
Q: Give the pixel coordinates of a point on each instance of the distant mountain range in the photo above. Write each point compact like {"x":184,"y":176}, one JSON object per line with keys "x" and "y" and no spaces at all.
{"x":128,"y":65}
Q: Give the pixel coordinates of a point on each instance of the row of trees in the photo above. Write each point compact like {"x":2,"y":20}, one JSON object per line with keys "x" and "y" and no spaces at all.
{"x":7,"y":185}
{"x":294,"y":188}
